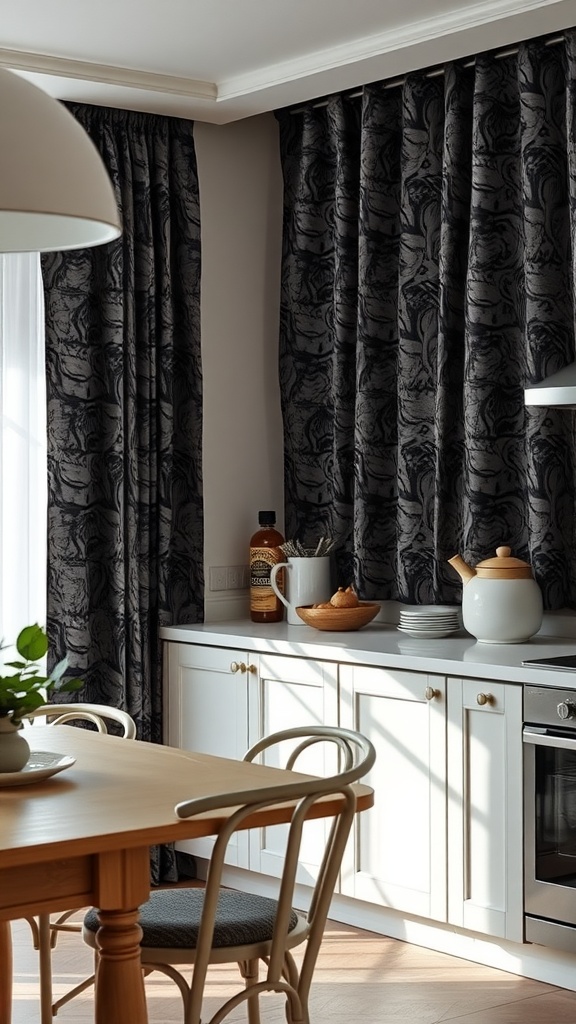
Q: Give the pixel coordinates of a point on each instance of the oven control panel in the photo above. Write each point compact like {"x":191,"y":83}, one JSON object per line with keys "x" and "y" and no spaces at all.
{"x":549,"y":705}
{"x":566,"y":709}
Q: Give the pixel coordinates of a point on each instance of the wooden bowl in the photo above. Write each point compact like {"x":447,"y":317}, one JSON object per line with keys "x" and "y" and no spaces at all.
{"x":339,"y":619}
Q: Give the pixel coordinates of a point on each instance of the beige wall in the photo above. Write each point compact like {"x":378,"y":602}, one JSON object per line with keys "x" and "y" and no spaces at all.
{"x":241,"y":223}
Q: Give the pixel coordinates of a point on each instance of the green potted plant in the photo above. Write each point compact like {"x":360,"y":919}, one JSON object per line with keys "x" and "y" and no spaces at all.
{"x":23,"y":689}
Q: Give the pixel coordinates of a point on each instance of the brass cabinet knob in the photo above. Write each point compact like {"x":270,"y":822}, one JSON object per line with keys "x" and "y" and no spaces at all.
{"x":238,"y":666}
{"x":252,"y":669}
{"x":430,"y":693}
{"x":484,"y":698}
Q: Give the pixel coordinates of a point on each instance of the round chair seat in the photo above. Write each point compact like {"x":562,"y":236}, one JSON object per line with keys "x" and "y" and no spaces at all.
{"x":171,"y":919}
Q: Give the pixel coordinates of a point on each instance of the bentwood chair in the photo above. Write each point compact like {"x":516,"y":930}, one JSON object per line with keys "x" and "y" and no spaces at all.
{"x":44,"y":929}
{"x":214,"y":925}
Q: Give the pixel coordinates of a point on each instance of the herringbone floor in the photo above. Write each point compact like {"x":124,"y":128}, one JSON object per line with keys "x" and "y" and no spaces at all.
{"x":360,"y":977}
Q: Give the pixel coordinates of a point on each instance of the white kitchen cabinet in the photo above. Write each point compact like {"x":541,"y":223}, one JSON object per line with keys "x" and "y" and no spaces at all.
{"x":206,"y":709}
{"x":288,"y":692}
{"x":221,"y":701}
{"x":443,"y":841}
{"x":399,"y":857}
{"x":485,"y":807}
{"x":207,"y":699}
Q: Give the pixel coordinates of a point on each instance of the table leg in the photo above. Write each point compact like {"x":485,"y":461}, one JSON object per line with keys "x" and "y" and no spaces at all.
{"x":5,"y":973}
{"x":45,"y":968}
{"x":119,"y":979}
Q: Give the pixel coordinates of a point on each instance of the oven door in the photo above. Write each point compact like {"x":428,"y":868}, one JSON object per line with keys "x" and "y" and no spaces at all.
{"x":550,"y":824}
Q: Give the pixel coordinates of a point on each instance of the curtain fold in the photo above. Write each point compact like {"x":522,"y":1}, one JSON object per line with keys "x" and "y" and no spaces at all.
{"x":428,"y":276}
{"x":124,"y":399}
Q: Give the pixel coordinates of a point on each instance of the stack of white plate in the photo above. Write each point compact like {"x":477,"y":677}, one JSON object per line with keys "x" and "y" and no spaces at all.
{"x":429,"y":620}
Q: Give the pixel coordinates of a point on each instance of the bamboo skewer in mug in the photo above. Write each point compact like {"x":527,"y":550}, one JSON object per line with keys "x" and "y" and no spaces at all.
{"x":294,"y":549}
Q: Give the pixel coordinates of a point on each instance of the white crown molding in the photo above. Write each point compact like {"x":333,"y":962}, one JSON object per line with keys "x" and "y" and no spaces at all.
{"x":43,"y":64}
{"x":432,"y":40}
{"x":404,"y":38}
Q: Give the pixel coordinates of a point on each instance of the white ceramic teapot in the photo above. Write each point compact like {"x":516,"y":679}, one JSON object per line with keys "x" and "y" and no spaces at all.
{"x":501,"y":601}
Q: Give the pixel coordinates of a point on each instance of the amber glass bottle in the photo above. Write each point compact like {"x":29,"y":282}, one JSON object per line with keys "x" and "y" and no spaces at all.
{"x":265,"y":552}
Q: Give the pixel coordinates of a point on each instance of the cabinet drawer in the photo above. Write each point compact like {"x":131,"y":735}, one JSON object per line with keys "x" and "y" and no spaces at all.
{"x":484,"y":695}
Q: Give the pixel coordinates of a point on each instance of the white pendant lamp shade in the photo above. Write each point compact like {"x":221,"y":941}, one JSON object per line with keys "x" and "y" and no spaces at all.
{"x":55,"y":192}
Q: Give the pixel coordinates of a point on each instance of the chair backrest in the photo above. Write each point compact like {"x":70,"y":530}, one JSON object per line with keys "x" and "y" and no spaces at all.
{"x":98,"y":714}
{"x":356,"y":756}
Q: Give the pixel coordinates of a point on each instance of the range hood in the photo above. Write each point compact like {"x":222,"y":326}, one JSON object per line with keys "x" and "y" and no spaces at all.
{"x":558,"y":389}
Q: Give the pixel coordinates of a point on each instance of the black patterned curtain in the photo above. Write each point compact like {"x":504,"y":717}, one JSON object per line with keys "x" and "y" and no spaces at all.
{"x":125,"y":529}
{"x":428,"y":276}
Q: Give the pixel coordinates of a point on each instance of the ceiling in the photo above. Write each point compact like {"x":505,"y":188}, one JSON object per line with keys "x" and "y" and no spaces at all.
{"x":222,"y":60}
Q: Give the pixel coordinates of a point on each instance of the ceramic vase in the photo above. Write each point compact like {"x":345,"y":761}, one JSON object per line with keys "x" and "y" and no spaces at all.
{"x":14,"y":748}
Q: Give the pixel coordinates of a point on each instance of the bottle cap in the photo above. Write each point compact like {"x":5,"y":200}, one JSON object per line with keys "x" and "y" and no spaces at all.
{"x":267,"y":518}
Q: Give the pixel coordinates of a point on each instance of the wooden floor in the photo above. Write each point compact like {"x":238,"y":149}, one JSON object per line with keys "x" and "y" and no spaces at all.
{"x":360,"y":977}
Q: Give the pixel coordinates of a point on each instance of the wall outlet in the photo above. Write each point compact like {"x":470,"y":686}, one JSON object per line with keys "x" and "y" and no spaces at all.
{"x":236,"y":577}
{"x":228,"y":577}
{"x":218,"y":577}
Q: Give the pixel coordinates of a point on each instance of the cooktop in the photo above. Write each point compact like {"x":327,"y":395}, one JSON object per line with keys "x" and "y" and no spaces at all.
{"x":567,"y":663}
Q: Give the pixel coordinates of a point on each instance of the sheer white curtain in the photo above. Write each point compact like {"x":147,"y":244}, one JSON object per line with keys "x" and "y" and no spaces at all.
{"x":23,"y":474}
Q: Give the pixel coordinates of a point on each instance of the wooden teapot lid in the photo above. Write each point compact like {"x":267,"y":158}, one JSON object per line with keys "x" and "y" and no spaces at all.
{"x":504,"y":567}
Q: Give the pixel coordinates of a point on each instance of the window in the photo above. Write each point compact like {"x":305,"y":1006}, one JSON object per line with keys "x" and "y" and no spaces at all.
{"x":23,"y":474}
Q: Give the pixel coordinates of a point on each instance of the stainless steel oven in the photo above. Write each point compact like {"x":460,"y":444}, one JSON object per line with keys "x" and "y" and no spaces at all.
{"x":550,"y":816}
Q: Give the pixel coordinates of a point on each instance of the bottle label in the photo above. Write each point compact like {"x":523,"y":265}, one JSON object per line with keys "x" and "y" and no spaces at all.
{"x":262,"y":597}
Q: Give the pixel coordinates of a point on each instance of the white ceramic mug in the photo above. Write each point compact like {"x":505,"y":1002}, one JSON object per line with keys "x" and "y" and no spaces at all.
{"x":307,"y":582}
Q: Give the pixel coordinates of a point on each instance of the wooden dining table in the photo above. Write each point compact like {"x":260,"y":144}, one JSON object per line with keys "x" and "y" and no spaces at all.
{"x":83,"y":837}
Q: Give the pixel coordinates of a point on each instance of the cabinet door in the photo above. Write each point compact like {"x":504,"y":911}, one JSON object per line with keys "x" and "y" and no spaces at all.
{"x":398,"y":858}
{"x":485,"y":807}
{"x":289,"y":692}
{"x":207,"y":711}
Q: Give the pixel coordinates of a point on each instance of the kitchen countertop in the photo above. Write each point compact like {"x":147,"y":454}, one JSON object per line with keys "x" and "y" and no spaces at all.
{"x":380,"y":643}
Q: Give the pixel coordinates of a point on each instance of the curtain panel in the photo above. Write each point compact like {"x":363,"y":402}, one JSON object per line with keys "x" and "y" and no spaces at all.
{"x":125,"y":527}
{"x":428,"y":276}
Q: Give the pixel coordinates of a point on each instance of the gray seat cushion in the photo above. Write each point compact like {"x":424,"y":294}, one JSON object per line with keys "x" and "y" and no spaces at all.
{"x":171,"y":919}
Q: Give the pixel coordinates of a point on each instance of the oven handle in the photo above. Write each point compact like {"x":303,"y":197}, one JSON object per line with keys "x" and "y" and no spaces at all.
{"x":547,"y":738}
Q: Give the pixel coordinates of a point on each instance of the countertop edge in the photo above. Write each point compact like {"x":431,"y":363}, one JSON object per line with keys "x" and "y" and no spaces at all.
{"x":381,"y":644}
